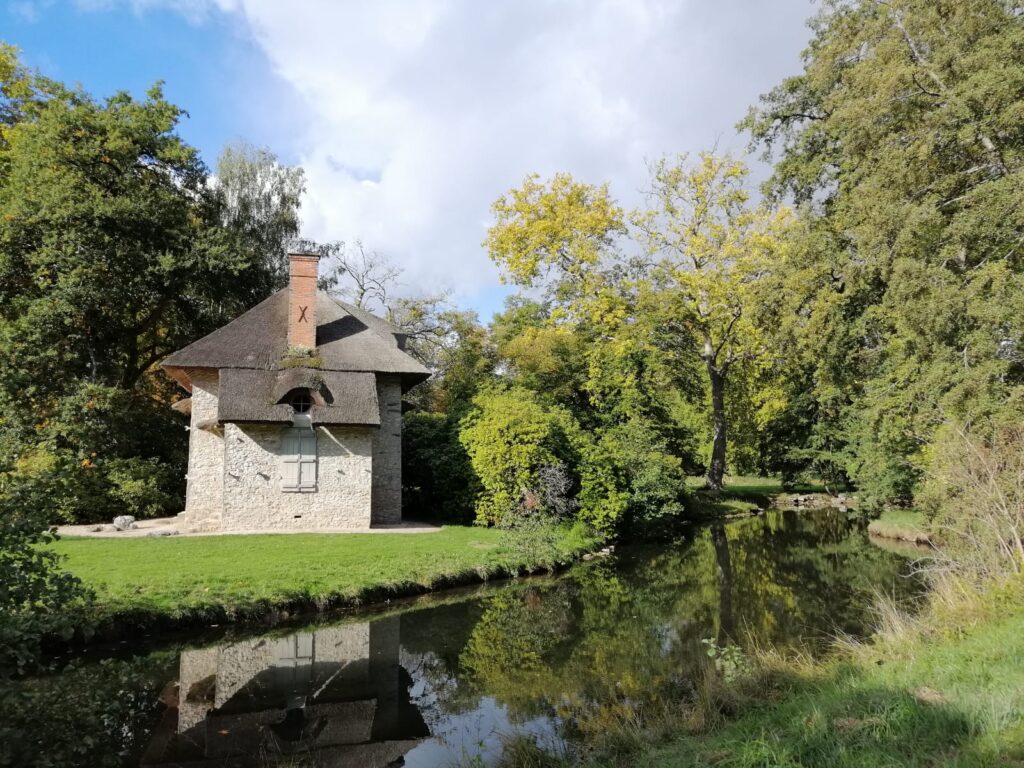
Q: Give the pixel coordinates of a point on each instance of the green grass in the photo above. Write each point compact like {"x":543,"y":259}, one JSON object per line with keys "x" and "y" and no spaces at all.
{"x":904,"y":524}
{"x":958,"y":701}
{"x":187,"y":579}
{"x":756,"y":485}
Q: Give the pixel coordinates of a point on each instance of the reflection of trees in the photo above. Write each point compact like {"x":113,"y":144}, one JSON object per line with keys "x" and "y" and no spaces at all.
{"x":95,"y":714}
{"x":605,"y":639}
{"x":609,"y":637}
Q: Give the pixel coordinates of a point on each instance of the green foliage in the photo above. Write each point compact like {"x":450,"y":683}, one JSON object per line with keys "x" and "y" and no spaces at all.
{"x":902,"y":298}
{"x":974,"y":496}
{"x":261,"y":200}
{"x":38,"y":599}
{"x":511,"y":440}
{"x":115,"y":250}
{"x":649,"y":481}
{"x":438,"y":482}
{"x":454,"y":345}
{"x":562,"y":225}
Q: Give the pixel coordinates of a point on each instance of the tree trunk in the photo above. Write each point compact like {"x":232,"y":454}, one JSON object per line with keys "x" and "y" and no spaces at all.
{"x":716,"y":469}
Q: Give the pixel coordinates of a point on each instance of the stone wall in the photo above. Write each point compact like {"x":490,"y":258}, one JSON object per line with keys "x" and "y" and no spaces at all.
{"x":205,"y":488}
{"x":253,"y":499}
{"x":387,"y":453}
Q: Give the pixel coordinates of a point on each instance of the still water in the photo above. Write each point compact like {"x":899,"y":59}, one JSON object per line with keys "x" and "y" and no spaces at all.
{"x":446,"y":680}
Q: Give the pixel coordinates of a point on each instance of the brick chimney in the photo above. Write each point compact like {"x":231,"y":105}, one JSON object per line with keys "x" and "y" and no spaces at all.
{"x":302,"y":274}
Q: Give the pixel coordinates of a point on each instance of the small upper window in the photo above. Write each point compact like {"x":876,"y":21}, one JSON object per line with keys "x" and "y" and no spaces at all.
{"x":301,"y":401}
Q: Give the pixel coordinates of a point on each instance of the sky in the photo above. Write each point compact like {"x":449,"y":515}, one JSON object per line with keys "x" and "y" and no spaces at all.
{"x":411,"y":117}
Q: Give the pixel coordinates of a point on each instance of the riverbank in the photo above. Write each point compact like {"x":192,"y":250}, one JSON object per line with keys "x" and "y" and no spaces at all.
{"x":179,"y":582}
{"x":937,"y":697}
{"x":901,"y":524}
{"x":943,"y":688}
{"x":172,"y":582}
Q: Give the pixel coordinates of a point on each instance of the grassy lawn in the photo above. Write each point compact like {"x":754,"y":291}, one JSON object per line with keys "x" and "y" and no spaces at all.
{"x":904,"y":524}
{"x":958,"y":701}
{"x":210,"y":577}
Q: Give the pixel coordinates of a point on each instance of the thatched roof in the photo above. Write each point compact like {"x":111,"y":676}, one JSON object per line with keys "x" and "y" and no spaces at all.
{"x":340,"y":397}
{"x":347,"y":339}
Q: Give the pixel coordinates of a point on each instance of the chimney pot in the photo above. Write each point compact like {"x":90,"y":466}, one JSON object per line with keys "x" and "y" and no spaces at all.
{"x":302,"y":275}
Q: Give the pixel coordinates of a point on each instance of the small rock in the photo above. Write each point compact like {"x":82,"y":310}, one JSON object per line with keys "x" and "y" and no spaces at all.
{"x":124,"y":522}
{"x":96,"y":529}
{"x":164,"y":532}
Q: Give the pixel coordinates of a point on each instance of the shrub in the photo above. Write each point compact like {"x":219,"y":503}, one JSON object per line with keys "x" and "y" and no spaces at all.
{"x":38,"y":599}
{"x":104,"y":453}
{"x":975,"y":497}
{"x":652,"y":480}
{"x":523,"y":454}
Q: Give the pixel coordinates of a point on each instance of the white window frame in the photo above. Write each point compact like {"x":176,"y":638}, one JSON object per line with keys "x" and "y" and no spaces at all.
{"x":298,"y":460}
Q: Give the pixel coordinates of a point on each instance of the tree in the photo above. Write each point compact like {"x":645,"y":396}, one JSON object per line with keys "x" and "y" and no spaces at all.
{"x":903,"y":139}
{"x":261,"y":200}
{"x":559,"y":235}
{"x":590,"y":346}
{"x":364,"y":277}
{"x":711,"y":250}
{"x":113,"y":253}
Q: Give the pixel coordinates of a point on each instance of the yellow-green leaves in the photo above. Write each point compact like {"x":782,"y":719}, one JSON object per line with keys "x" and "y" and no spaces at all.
{"x":710,"y":250}
{"x":556,"y":233}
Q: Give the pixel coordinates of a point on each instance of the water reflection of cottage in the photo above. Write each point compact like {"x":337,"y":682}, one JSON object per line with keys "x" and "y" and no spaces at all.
{"x":333,"y":697}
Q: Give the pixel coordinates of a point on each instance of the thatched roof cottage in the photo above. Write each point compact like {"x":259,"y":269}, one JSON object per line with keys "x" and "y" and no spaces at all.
{"x":295,"y":414}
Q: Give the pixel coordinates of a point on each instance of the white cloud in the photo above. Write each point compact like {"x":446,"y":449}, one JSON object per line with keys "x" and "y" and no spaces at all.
{"x":414,"y":115}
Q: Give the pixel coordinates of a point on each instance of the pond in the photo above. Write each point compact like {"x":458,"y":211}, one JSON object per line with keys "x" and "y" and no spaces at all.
{"x":447,"y":679}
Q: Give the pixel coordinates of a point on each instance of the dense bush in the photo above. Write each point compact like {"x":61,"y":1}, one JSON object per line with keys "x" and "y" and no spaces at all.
{"x":651,"y":481}
{"x":535,"y":463}
{"x":517,"y":447}
{"x":974,"y":495}
{"x":438,"y":482}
